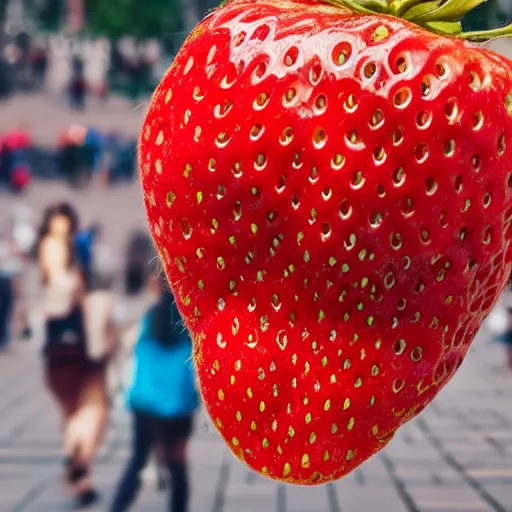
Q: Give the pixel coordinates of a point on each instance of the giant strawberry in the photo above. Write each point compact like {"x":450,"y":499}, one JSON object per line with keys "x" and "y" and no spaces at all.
{"x":329,"y":190}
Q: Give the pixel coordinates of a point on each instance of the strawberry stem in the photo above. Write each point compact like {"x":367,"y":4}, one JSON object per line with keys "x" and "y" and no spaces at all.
{"x":439,"y":16}
{"x":486,"y":35}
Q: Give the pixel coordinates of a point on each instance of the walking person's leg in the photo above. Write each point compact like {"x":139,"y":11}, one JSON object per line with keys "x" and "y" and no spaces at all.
{"x":176,"y":440}
{"x":154,"y":473}
{"x":93,"y":413}
{"x":141,"y":448}
{"x":86,"y":428}
{"x":178,"y":467}
{"x":63,"y":381}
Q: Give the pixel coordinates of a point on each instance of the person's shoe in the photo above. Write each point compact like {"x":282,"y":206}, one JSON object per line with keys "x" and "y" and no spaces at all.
{"x":74,"y":471}
{"x":87,"y":499}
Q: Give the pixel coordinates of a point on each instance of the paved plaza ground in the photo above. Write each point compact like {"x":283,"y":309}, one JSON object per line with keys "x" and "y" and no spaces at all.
{"x":457,"y":457}
{"x":46,"y":115}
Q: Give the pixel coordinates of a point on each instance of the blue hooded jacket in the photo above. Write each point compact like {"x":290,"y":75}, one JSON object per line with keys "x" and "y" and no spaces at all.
{"x":163,"y":382}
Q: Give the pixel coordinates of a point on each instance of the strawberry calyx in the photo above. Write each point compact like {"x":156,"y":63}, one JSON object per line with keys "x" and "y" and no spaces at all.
{"x":439,"y":16}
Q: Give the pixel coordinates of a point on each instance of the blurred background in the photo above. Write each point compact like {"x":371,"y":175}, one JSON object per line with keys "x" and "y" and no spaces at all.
{"x":75,"y":76}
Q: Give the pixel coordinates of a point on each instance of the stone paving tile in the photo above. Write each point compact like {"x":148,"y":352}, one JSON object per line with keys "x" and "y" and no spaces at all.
{"x":304,"y":499}
{"x":502,"y":492}
{"x":369,"y":498}
{"x":448,"y":498}
{"x":457,"y":457}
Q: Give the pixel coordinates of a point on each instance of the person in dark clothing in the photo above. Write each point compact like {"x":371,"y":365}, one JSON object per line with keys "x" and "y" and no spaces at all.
{"x":77,"y":92}
{"x":139,"y":252}
{"x":127,"y":160}
{"x":75,"y":160}
{"x":6,"y":165}
{"x":77,"y":85}
{"x":84,"y":246}
{"x":70,"y":162}
{"x":163,"y":398}
{"x":6,"y":79}
{"x":39,"y":63}
{"x":6,"y":306}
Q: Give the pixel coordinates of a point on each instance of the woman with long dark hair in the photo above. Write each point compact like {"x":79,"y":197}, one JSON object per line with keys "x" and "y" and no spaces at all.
{"x":162,"y":399}
{"x":76,"y":383}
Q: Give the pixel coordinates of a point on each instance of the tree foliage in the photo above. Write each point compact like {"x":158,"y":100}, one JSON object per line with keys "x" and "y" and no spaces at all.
{"x":3,"y":10}
{"x":139,"y":18}
{"x":484,"y":17}
{"x":164,"y":19}
{"x":46,"y":14}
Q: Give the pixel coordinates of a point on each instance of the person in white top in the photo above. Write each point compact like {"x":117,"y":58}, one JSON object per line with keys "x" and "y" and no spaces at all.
{"x":15,"y":246}
{"x":75,"y":381}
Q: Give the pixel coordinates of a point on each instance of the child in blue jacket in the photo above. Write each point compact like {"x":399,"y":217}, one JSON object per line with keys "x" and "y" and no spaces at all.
{"x":162,"y":398}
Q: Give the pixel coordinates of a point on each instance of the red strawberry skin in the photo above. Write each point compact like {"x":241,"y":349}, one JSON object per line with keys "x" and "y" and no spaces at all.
{"x":330,"y":195}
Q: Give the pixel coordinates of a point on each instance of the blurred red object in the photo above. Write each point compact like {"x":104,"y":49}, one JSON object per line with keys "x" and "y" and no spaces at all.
{"x":20,"y":177}
{"x":17,"y":139}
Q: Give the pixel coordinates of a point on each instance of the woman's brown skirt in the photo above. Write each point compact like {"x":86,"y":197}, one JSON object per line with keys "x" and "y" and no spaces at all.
{"x":75,"y":381}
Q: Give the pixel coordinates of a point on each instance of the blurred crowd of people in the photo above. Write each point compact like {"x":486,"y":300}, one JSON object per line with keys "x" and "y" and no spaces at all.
{"x":81,"y":154}
{"x":14,"y":169}
{"x":85,"y":154}
{"x":26,"y":65}
{"x":94,"y":348}
{"x":23,"y":65}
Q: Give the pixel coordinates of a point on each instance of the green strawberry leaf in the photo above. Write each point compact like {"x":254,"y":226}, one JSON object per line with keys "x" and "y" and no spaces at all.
{"x":444,"y":27}
{"x":451,"y":10}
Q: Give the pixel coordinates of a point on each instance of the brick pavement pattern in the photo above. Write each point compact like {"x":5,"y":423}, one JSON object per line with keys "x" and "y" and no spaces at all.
{"x":46,"y":115}
{"x":457,"y":457}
